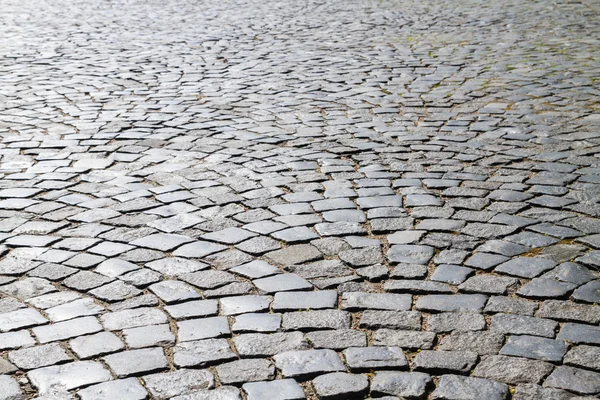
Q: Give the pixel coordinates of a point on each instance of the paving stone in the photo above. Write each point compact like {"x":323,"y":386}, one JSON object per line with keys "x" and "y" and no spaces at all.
{"x":202,"y":328}
{"x":417,"y":254}
{"x":512,"y":370}
{"x":307,"y":362}
{"x":481,"y":342}
{"x":367,"y":358}
{"x":528,"y":391}
{"x":39,"y":356}
{"x":340,"y":385}
{"x":574,"y":379}
{"x":95,"y":345}
{"x":256,"y":323}
{"x":355,"y":301}
{"x":523,"y":325}
{"x":445,"y":361}
{"x":262,"y":345}
{"x":9,"y":389}
{"x":282,"y":389}
{"x":404,"y":339}
{"x":579,"y":333}
{"x":124,"y":319}
{"x":462,"y":322}
{"x":454,"y":387}
{"x":452,"y":274}
{"x":127,"y":389}
{"x":244,"y":304}
{"x":67,"y":329}
{"x":337,"y":339}
{"x":590,"y":292}
{"x":372,"y":319}
{"x":587,"y":357}
{"x":284,"y":301}
{"x":403,"y":384}
{"x":68,"y":376}
{"x":23,"y":318}
{"x":201,"y":353}
{"x":319,"y":319}
{"x":563,"y":310}
{"x":461,"y":302}
{"x":135,"y":362}
{"x":147,"y":336}
{"x":242,"y":371}
{"x":165,"y":385}
{"x":510,"y":305}
{"x":534,"y":347}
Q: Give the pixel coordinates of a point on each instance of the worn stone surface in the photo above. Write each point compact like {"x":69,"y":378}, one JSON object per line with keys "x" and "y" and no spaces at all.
{"x":390,"y":188}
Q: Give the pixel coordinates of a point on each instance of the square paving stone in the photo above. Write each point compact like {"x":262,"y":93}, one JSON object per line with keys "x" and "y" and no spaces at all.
{"x":135,"y":362}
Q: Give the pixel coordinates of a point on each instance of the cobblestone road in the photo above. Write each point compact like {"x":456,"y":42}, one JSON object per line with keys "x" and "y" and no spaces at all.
{"x":273,"y":200}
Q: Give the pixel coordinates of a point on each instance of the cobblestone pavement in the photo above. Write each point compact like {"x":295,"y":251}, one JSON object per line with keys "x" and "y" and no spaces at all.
{"x":245,"y":199}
